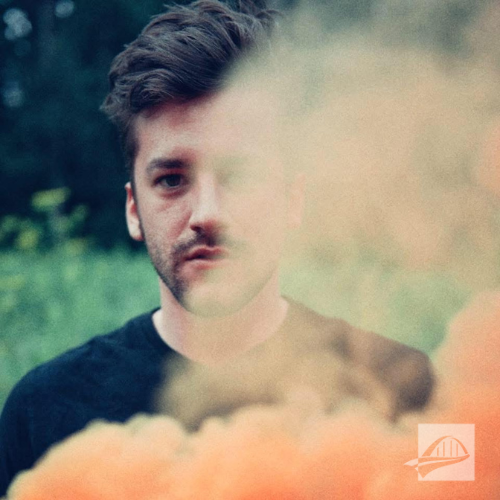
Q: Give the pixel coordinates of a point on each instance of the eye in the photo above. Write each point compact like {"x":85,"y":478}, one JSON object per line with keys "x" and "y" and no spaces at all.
{"x":171,"y":181}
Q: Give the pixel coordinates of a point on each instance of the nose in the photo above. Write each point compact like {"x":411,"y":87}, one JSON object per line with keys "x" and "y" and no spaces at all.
{"x":206,"y":213}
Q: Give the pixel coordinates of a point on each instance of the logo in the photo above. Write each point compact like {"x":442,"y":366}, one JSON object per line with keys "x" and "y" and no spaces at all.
{"x":446,"y":452}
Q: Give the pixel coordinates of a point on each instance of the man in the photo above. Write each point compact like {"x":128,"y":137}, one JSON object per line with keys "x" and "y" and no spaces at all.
{"x":211,"y":198}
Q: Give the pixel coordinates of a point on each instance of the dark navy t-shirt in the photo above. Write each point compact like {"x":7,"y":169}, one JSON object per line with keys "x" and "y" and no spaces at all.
{"x":112,"y":377}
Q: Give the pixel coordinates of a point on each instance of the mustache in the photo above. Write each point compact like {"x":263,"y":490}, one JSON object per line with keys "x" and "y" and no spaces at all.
{"x":203,"y":239}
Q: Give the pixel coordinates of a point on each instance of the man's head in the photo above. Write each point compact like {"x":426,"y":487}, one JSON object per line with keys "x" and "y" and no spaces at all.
{"x":181,"y":55}
{"x":210,"y":196}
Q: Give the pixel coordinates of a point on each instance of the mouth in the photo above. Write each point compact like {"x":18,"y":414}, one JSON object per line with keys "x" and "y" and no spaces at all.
{"x":204,"y":253}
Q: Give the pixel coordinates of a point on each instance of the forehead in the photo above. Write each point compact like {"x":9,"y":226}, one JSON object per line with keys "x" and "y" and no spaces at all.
{"x":230,"y":122}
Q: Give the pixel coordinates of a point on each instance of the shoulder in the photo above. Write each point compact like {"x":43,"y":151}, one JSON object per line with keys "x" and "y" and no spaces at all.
{"x":32,"y":412}
{"x":403,"y":373}
{"x":84,"y":360}
{"x":111,"y":377}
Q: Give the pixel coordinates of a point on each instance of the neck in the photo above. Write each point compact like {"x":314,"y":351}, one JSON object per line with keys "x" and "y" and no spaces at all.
{"x":213,"y":340}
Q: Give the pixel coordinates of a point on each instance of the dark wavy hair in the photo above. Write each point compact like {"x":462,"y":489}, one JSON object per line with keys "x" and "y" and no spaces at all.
{"x":182,"y":54}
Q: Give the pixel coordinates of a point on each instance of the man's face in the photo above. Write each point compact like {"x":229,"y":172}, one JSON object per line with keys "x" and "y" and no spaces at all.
{"x":211,"y":200}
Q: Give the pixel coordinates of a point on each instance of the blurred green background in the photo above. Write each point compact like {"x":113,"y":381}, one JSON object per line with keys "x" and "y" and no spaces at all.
{"x":67,"y":267}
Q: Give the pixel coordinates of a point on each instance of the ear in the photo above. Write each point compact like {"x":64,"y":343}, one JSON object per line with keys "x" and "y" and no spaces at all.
{"x":296,"y":197}
{"x":132,"y":215}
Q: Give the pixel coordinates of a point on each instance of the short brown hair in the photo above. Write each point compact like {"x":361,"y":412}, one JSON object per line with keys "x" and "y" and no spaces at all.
{"x":181,"y":55}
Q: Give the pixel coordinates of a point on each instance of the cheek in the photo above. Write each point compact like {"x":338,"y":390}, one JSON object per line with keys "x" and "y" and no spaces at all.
{"x":161,"y":221}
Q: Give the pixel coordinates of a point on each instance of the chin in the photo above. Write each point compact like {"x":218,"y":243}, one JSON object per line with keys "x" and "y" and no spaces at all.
{"x":223,"y":294}
{"x":212,"y":308}
{"x":211,"y":304}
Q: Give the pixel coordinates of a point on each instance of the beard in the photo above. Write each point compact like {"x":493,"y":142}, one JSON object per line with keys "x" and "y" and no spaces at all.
{"x":168,"y":265}
{"x":231,"y":295}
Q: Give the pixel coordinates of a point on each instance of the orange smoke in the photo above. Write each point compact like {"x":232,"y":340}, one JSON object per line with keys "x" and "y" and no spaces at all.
{"x":487,"y":172}
{"x":294,"y":450}
{"x":468,"y":394}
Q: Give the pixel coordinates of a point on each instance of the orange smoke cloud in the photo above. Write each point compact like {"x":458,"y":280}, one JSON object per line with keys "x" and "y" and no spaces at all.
{"x":467,"y":394}
{"x":294,"y":450}
{"x":487,"y":171}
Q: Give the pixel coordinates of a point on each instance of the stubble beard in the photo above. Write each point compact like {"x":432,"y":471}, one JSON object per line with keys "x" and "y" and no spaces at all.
{"x":168,"y":264}
{"x":168,"y":267}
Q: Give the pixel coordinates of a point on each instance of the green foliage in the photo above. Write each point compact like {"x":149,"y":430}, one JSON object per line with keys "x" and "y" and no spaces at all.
{"x":47,"y":225}
{"x":54,"y":135}
{"x":46,"y":201}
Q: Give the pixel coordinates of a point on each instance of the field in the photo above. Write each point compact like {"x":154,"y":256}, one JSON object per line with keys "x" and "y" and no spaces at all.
{"x":53,"y":301}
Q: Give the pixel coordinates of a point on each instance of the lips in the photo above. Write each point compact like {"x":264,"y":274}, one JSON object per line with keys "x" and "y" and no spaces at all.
{"x":206,"y":253}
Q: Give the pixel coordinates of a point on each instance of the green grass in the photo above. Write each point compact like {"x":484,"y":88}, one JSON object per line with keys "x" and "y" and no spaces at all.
{"x":51,"y":302}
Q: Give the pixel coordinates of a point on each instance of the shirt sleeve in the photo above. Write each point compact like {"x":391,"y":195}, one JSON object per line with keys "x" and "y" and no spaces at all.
{"x":16,"y":452}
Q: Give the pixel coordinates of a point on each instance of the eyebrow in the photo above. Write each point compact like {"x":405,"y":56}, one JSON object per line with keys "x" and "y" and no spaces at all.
{"x":165,"y":164}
